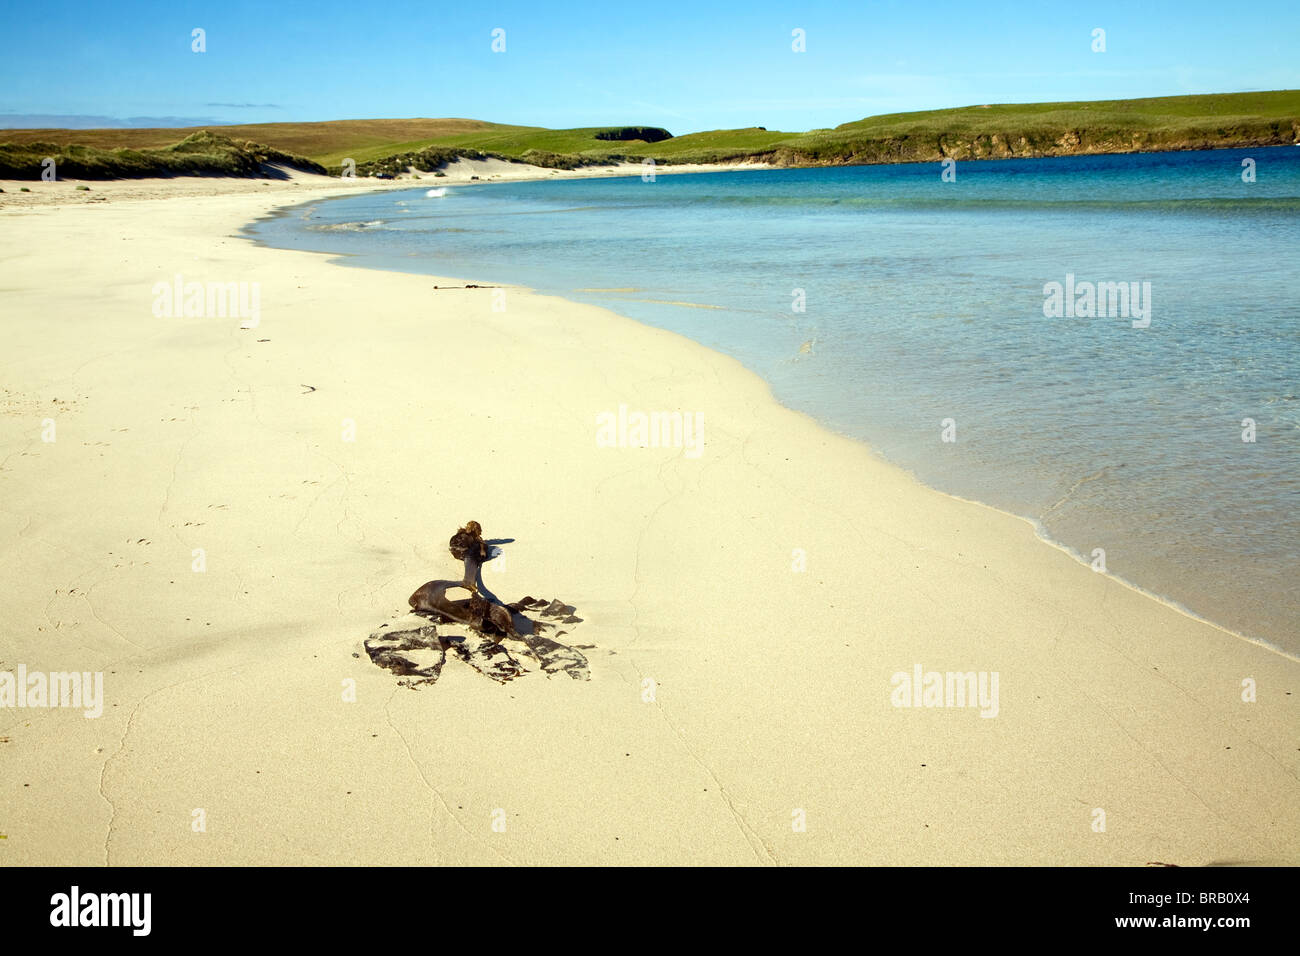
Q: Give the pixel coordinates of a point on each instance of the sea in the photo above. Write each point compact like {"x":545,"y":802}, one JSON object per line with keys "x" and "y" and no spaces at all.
{"x":1108,"y":346}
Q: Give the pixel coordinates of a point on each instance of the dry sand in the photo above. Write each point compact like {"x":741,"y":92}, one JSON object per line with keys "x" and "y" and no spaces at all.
{"x":731,"y":697}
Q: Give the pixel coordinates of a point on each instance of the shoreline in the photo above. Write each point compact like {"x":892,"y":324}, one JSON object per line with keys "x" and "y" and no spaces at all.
{"x":284,"y":211}
{"x":461,"y":172}
{"x":672,"y":563}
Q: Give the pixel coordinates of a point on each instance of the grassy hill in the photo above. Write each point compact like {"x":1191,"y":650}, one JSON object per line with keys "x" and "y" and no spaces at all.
{"x":326,"y":143}
{"x":972,"y":132}
{"x":1053,"y":129}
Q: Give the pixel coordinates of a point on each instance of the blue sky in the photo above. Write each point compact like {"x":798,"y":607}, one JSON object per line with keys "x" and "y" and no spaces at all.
{"x":683,"y":65}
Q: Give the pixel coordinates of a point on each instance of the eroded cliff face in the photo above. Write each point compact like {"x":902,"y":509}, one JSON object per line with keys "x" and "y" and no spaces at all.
{"x":909,"y":148}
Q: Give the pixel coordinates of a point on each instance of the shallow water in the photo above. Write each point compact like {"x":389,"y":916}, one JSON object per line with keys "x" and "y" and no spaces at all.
{"x":924,"y":301}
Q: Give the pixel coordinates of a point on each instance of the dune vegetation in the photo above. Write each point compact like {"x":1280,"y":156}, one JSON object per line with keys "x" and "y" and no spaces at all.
{"x":199,"y":154}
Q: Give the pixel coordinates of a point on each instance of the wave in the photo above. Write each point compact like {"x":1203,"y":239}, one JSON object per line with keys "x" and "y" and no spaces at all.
{"x":346,"y":226}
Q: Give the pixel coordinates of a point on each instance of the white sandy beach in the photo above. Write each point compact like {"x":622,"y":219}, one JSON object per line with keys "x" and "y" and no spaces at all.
{"x":731,"y":697}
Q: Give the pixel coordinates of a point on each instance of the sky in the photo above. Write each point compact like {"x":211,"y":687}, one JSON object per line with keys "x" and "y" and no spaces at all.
{"x":686,"y":66}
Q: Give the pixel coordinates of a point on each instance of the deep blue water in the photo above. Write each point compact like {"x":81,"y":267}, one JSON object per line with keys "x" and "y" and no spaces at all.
{"x":925,"y":302}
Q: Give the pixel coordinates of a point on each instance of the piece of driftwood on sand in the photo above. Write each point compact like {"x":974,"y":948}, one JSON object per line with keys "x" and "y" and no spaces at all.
{"x":416,"y":650}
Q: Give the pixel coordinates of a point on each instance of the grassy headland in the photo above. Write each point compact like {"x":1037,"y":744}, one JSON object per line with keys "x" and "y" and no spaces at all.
{"x":391,"y":146}
{"x":1055,"y":129}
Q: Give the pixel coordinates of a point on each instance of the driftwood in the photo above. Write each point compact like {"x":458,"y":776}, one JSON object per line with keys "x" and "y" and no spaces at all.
{"x":417,"y":650}
{"x":475,"y":612}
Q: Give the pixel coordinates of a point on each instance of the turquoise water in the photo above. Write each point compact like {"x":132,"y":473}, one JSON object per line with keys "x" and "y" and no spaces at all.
{"x":925,"y":302}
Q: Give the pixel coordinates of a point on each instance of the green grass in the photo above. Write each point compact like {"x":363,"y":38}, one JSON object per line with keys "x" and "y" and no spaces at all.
{"x":326,"y":143}
{"x":201,"y":154}
{"x":972,"y":132}
{"x":1042,"y":129}
{"x":520,"y":140}
{"x":717,"y":146}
